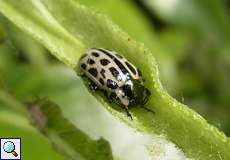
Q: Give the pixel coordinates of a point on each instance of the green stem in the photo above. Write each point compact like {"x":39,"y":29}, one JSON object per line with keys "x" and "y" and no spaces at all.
{"x":14,"y":104}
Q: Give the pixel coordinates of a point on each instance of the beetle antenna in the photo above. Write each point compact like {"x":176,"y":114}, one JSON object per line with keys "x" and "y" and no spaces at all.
{"x":128,"y":114}
{"x":147,"y":109}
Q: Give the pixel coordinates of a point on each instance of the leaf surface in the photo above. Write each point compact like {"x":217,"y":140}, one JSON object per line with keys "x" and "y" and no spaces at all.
{"x":81,"y":28}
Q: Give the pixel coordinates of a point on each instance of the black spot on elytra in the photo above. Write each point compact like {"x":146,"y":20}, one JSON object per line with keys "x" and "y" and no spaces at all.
{"x":104,"y":62}
{"x":83,"y":66}
{"x":118,"y":63}
{"x":101,"y":81}
{"x":102,"y":73}
{"x":95,"y":54}
{"x":114,"y":72}
{"x":93,"y":72}
{"x":121,"y":66}
{"x":90,"y":61}
{"x":111,"y":84}
{"x":106,"y":52}
{"x":131,"y":68}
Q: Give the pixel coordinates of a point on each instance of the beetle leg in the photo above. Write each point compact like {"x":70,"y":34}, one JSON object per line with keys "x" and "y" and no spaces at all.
{"x":92,"y":85}
{"x":112,"y":97}
{"x":81,"y":74}
{"x":107,"y":96}
{"x":147,"y":109}
{"x":127,"y":112}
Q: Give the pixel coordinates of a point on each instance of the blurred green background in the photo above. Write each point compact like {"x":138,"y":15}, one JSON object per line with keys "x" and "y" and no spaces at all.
{"x":189,"y":39}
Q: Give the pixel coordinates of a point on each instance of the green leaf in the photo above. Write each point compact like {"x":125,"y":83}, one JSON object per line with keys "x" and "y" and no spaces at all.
{"x":12,"y":104}
{"x":2,"y":34}
{"x":33,"y":143}
{"x":80,"y":25}
{"x":131,"y":16}
{"x":15,"y":124}
{"x":66,"y":137}
{"x":37,"y":21}
{"x":24,"y":44}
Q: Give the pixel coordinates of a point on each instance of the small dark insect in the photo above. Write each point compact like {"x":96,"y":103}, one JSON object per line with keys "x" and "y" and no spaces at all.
{"x":119,"y":80}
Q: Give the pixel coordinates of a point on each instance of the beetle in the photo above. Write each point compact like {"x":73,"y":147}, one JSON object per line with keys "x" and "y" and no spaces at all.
{"x":114,"y":75}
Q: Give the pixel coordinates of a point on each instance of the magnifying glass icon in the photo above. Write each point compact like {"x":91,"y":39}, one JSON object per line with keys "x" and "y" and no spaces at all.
{"x":9,"y":147}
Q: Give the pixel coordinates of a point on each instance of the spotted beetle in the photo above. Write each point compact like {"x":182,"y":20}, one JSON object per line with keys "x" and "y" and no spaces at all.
{"x":113,"y":74}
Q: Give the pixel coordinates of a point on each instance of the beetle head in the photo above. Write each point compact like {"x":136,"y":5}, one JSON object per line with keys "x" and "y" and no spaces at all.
{"x":137,"y":93}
